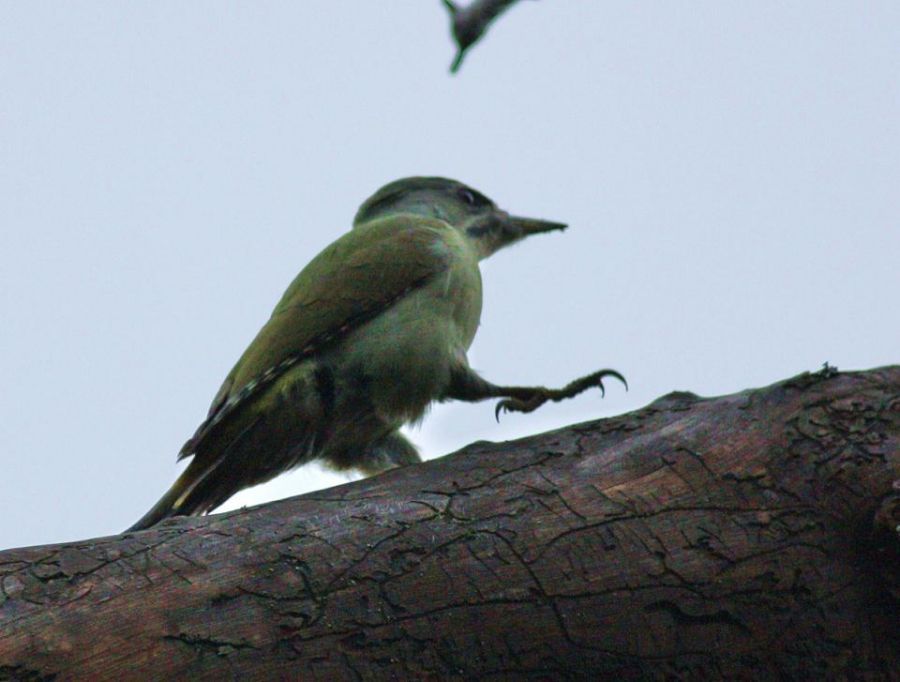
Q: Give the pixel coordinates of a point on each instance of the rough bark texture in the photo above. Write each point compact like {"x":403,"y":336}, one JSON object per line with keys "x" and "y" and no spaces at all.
{"x":749,"y":536}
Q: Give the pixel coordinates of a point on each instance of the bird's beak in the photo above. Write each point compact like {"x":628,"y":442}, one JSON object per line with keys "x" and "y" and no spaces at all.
{"x":529,"y":226}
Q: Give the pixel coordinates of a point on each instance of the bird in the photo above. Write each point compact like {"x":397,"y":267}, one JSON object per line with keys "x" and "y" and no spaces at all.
{"x":372,"y":331}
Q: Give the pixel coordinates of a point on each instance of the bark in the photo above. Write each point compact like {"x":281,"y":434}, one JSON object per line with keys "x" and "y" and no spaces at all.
{"x":752,"y":536}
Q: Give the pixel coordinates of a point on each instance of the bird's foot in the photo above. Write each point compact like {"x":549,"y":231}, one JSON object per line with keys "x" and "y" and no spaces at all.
{"x":529,"y":400}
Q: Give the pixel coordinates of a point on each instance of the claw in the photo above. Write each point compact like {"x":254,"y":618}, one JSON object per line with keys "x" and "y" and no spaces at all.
{"x":584,"y":383}
{"x":615,"y":375}
{"x":603,"y":373}
{"x":518,"y":405}
{"x":506,"y":405}
{"x":542,"y":395}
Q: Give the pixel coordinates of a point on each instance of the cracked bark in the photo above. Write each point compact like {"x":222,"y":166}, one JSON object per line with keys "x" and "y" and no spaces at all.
{"x":747,"y":536}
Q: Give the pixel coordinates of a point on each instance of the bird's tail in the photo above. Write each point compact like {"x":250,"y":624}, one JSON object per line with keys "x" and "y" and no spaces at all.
{"x":171,"y":504}
{"x":226,"y":459}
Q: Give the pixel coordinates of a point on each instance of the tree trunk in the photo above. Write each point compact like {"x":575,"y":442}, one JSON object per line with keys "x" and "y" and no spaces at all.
{"x":751,"y":536}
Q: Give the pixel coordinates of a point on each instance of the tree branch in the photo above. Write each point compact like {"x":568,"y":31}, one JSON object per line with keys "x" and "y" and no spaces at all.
{"x":751,"y":536}
{"x":470,"y":23}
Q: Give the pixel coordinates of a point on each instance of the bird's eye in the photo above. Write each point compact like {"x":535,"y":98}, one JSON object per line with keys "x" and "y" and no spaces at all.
{"x":468,"y":196}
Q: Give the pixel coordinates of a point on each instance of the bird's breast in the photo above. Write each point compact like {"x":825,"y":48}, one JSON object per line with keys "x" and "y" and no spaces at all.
{"x":404,"y":356}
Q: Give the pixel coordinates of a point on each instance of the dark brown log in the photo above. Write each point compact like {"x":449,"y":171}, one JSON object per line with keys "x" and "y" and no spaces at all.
{"x":752,"y":536}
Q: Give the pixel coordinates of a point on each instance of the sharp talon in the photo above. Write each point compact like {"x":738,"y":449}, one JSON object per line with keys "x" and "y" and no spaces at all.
{"x":540,"y":395}
{"x":503,"y":406}
{"x":603,"y":373}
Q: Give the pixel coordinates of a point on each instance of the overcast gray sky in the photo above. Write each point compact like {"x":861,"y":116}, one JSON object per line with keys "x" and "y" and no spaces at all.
{"x":730,"y":172}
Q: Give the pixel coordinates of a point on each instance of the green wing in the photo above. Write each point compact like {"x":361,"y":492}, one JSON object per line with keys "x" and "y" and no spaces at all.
{"x":351,"y":281}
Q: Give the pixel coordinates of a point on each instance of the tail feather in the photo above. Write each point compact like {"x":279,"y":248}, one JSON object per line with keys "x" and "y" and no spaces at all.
{"x":163,"y":509}
{"x":178,"y":500}
{"x":250,"y":447}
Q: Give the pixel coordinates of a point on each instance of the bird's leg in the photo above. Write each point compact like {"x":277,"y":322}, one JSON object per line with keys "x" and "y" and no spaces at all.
{"x":390,"y":452}
{"x":466,"y":385}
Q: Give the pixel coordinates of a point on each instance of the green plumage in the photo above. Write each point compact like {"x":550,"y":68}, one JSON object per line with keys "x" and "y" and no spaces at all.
{"x":370,"y":332}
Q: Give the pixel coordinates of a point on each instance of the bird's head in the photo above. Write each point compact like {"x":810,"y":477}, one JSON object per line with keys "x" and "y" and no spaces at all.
{"x":487,"y":227}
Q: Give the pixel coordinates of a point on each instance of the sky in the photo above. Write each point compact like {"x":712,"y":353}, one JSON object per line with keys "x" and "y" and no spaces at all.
{"x":730,"y":172}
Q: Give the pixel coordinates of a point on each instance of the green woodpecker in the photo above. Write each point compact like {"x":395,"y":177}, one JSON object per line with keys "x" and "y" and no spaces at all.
{"x":372,"y":330}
